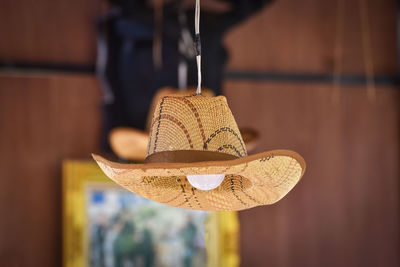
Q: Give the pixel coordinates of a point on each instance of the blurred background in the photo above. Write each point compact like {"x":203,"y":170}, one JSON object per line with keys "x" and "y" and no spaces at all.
{"x":317,"y":77}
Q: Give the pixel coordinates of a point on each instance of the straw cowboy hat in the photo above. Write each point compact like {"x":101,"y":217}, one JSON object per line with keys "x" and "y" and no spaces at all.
{"x":130,"y":143}
{"x":197,"y":159}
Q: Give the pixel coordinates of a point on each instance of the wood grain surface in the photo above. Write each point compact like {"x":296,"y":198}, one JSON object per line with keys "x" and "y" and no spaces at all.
{"x":44,"y":119}
{"x":287,"y":35}
{"x":49,"y":31}
{"x":345,"y":210}
{"x":300,"y":36}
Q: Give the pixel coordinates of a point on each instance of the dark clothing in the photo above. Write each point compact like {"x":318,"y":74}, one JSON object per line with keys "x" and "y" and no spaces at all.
{"x":129,"y":72}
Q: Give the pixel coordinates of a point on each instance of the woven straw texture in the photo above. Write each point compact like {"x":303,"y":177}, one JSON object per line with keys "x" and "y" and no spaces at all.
{"x":130,"y":143}
{"x":166,"y":91}
{"x":195,"y":123}
{"x":206,"y":123}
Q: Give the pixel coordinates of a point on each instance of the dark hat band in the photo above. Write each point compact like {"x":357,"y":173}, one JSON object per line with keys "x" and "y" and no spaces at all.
{"x":187,"y":156}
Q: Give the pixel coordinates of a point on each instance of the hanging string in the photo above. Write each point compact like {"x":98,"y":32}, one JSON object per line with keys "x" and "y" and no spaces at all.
{"x":198,"y":45}
{"x":367,"y":52}
{"x":185,"y":47}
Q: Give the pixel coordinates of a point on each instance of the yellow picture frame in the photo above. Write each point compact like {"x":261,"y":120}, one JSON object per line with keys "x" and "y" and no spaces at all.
{"x":221,"y":228}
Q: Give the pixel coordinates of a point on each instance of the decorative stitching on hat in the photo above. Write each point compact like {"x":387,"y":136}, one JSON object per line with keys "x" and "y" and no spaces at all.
{"x":196,"y":114}
{"x":177,"y":122}
{"x":234,"y":192}
{"x":158,"y":127}
{"x":247,"y":195}
{"x":184,"y":193}
{"x":195,"y":198}
{"x":224,"y":129}
{"x":266,"y":158}
{"x":230,"y":147}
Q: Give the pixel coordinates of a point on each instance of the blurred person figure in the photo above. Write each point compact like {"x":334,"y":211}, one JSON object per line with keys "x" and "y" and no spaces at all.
{"x":144,"y":45}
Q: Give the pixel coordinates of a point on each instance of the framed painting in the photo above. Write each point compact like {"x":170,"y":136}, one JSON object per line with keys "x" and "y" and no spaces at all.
{"x":106,"y":225}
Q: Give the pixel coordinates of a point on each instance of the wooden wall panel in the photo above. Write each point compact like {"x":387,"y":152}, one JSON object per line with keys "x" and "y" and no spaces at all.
{"x":43,"y":120}
{"x":49,"y":31}
{"x":300,"y":36}
{"x":345,"y":210}
{"x":288,"y":35}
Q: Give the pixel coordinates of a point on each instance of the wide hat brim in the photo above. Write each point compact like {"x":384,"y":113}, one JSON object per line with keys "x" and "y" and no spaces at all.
{"x":129,"y":143}
{"x":250,"y":181}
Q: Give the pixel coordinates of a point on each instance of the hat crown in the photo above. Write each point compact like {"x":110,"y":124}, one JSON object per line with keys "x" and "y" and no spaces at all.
{"x":195,"y":123}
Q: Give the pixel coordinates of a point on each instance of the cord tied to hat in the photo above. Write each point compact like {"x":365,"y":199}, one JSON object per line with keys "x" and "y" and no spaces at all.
{"x":197,"y":44}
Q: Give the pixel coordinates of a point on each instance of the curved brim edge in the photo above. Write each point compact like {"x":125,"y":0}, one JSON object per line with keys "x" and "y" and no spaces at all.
{"x":145,"y":166}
